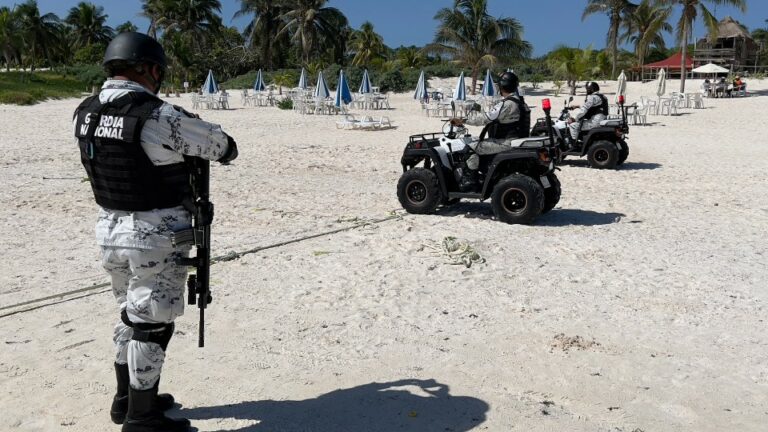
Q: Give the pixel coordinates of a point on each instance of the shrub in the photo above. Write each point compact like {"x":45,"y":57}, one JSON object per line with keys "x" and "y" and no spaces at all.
{"x":285,"y":104}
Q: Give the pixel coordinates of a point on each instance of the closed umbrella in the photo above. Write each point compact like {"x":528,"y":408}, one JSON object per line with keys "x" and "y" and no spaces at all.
{"x":303,"y":82}
{"x":365,"y":86}
{"x":322,"y":92}
{"x":343,"y":95}
{"x":661,"y":83}
{"x":489,"y":90}
{"x":421,"y":88}
{"x":210,"y":86}
{"x":621,"y":86}
{"x":461,"y":91}
{"x":259,"y":84}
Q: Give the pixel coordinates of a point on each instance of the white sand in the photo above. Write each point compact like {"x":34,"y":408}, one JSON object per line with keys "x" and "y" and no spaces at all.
{"x":655,"y":275}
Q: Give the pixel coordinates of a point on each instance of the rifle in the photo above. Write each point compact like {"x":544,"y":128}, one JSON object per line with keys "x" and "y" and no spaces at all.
{"x":198,"y":284}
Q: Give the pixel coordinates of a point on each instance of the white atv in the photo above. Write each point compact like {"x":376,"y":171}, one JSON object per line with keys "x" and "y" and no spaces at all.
{"x":520,"y":182}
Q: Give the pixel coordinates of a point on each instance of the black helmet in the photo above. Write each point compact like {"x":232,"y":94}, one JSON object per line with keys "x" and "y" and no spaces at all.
{"x":134,"y":48}
{"x":592,"y":87}
{"x":509,"y":82}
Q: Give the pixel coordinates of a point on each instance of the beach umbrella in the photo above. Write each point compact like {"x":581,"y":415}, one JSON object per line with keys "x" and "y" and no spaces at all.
{"x":461,"y":91}
{"x":210,"y":86}
{"x":661,"y":83}
{"x":365,"y":86}
{"x":322,"y":92}
{"x":710,"y":68}
{"x":303,"y":82}
{"x":343,"y":95}
{"x":259,"y":84}
{"x":489,"y":90}
{"x":621,"y":85}
{"x":421,"y":88}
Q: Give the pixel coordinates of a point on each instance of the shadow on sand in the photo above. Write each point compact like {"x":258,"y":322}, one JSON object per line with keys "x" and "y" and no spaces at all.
{"x":576,"y":217}
{"x":555,"y":218}
{"x":408,"y":405}
{"x":626,"y":166}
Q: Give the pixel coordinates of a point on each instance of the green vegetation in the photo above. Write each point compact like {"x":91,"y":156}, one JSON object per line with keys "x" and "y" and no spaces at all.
{"x":23,"y":88}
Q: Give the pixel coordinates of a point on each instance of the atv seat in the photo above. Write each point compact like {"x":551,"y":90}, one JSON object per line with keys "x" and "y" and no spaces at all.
{"x":611,"y":122}
{"x":531,"y":142}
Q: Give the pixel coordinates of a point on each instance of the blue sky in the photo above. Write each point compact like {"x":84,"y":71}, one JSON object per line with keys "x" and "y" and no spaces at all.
{"x":410,"y":22}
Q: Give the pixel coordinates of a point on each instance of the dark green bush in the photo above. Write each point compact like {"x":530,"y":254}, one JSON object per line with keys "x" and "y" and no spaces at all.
{"x":285,"y":104}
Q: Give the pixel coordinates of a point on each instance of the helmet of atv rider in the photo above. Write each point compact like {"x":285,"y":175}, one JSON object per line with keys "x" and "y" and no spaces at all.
{"x":592,"y":87}
{"x":508,"y":82}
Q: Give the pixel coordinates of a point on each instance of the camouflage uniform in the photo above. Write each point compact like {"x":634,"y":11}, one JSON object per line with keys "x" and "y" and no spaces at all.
{"x":136,"y":247}
{"x":504,"y":112}
{"x":576,"y":127}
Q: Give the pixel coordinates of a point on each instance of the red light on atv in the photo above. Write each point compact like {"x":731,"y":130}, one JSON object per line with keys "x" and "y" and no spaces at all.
{"x":546,"y":105}
{"x":621,"y":99}
{"x":417,"y":145}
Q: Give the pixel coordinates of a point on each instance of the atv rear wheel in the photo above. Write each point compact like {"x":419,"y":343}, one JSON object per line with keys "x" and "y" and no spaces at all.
{"x":551,"y":194}
{"x":418,"y":191}
{"x":517,"y":199}
{"x":603,"y":155}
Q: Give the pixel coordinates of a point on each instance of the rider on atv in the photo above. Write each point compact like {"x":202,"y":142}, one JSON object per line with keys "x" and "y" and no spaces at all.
{"x":594,"y":110}
{"x":507,"y":120}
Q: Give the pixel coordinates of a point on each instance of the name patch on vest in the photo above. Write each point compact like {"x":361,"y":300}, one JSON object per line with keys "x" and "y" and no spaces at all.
{"x":118,"y":127}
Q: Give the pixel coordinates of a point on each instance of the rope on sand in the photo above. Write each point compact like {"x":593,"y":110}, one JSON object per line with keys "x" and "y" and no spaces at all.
{"x":222,"y":258}
{"x":456,"y":252}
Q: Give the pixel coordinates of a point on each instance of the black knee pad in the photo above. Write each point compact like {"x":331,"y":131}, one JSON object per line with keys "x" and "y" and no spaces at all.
{"x":159,"y":333}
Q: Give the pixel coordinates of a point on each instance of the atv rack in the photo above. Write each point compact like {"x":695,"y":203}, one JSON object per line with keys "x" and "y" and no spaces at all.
{"x":425,"y":137}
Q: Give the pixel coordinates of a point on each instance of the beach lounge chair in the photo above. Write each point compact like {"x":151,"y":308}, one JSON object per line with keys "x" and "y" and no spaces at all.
{"x":349,"y":122}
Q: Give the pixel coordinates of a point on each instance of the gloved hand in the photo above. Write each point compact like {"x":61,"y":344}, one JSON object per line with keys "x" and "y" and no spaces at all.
{"x":457,"y":122}
{"x":231,"y":153}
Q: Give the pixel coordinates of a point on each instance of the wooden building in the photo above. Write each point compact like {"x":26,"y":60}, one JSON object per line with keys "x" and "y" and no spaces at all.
{"x":733,"y":49}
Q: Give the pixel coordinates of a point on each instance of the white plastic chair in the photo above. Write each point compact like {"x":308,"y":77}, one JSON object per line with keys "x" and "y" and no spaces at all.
{"x":195,"y":101}
{"x":698,"y":101}
{"x":640,"y":115}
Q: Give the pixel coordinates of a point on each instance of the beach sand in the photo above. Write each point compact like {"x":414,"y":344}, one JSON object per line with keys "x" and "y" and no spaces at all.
{"x":637,"y":304}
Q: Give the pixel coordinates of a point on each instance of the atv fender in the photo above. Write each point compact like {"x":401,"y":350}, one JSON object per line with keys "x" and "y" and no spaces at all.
{"x":412,"y":157}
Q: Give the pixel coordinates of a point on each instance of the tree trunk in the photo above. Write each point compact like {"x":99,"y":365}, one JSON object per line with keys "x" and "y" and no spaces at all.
{"x":614,"y":48}
{"x":474,"y":80}
{"x":684,"y":50}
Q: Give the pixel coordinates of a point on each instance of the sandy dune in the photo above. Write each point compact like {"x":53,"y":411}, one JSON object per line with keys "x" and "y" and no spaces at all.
{"x":638,"y":304}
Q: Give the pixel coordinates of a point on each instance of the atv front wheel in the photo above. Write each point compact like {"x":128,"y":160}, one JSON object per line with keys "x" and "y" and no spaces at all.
{"x":603,"y":155}
{"x":551,"y":194}
{"x":418,"y":191}
{"x":517,"y":199}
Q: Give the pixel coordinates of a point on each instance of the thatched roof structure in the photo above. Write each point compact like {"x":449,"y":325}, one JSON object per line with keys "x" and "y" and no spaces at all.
{"x":730,"y":28}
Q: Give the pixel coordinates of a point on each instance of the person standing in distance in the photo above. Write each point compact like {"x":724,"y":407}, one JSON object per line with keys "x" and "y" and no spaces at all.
{"x":510,"y":118}
{"x":133,"y":145}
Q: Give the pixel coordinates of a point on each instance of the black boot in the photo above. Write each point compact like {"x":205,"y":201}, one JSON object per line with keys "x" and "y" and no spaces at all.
{"x":468,"y":181}
{"x":164,"y":402}
{"x":143,"y":415}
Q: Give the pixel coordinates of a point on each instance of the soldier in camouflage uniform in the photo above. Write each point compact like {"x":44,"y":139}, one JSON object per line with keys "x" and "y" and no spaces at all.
{"x":133,"y":146}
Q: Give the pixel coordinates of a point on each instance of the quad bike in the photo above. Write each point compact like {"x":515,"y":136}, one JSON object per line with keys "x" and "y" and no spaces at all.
{"x":604,"y":146}
{"x":520,"y":182}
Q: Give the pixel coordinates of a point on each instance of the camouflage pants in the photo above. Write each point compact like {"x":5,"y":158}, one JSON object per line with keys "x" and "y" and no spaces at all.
{"x":485,"y":147}
{"x":150,"y":287}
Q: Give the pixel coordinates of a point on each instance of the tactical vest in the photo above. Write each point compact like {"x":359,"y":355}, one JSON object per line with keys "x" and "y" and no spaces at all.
{"x":600,"y":109}
{"x":518,"y":129}
{"x":121,"y":174}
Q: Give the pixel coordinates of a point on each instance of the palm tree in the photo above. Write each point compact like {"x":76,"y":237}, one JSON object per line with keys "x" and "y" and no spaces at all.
{"x":88,"y":25}
{"x":39,"y":32}
{"x":10,"y":39}
{"x":475,"y":39}
{"x":618,"y":11}
{"x":689,"y":13}
{"x":410,"y":57}
{"x":155,"y":11}
{"x":308,"y":21}
{"x":126,"y":27}
{"x":367,"y":45}
{"x":263,"y":28}
{"x":645,"y":28}
{"x":571,"y":64}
